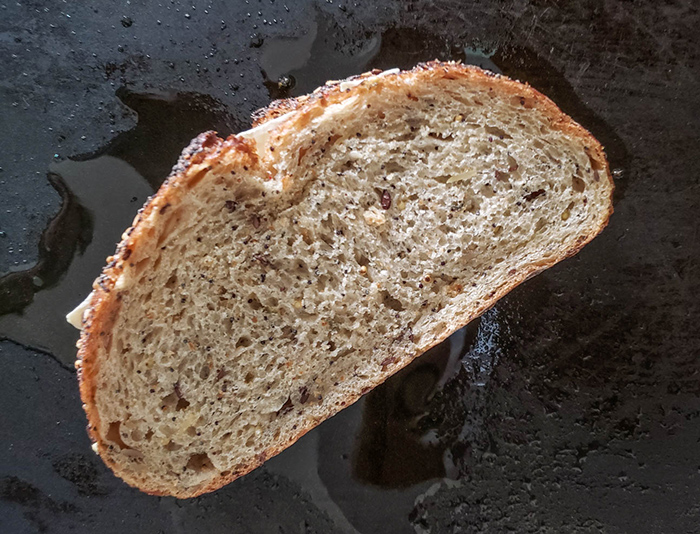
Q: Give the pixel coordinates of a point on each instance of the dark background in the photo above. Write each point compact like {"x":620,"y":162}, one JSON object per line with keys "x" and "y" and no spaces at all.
{"x":572,"y":406}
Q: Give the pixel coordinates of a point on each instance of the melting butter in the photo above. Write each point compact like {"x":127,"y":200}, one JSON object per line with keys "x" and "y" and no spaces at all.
{"x":348,"y":84}
{"x":260,"y":134}
{"x":75,"y":317}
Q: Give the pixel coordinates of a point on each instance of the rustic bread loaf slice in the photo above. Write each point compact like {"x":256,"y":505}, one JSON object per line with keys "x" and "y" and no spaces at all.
{"x":280,"y":274}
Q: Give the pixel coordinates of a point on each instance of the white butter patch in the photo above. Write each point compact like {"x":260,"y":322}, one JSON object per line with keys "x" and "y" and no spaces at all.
{"x":120,"y":283}
{"x":335,"y":108}
{"x":75,"y":317}
{"x":344,"y":86}
{"x":260,"y":134}
{"x":349,"y":84}
{"x":387,"y":72}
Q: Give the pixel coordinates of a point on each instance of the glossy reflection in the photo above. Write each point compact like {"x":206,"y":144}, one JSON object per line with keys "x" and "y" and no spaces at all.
{"x":416,"y":428}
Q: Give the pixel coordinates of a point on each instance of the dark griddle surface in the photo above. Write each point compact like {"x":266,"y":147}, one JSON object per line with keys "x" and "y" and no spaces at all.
{"x":575,"y":405}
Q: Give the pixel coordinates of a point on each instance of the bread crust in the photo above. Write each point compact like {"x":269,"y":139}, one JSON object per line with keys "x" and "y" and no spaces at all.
{"x":207,"y":150}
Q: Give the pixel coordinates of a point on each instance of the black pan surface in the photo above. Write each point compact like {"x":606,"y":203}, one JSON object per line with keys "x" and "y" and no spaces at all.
{"x":572,"y":406}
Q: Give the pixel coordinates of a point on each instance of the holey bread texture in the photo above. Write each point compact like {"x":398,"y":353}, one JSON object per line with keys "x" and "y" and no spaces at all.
{"x":280,"y":274}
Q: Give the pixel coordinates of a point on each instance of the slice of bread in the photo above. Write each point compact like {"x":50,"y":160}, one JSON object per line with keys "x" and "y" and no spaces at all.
{"x":280,"y":274}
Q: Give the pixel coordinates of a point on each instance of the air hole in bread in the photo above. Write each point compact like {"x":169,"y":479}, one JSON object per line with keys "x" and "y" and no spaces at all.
{"x":361,"y":259}
{"x":114,"y":435}
{"x":487,"y":190}
{"x":441,"y":136}
{"x":204,"y":372}
{"x":595,"y":163}
{"x":173,"y":221}
{"x":392,"y":166}
{"x":172,"y":281}
{"x":566,"y":214}
{"x":300,"y":267}
{"x":253,"y":302}
{"x":391,"y":302}
{"x":332,"y":139}
{"x":416,"y":122}
{"x":199,"y":463}
{"x":578,"y":184}
{"x":405,"y":136}
{"x":140,"y":267}
{"x":497,"y":132}
{"x":169,"y":402}
{"x":327,"y":239}
{"x":172,"y":446}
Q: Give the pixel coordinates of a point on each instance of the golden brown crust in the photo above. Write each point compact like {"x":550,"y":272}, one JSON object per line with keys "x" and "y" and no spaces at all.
{"x":105,"y":302}
{"x":204,"y":152}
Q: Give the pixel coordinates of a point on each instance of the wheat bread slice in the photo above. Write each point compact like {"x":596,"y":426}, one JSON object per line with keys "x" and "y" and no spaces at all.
{"x":280,"y":274}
